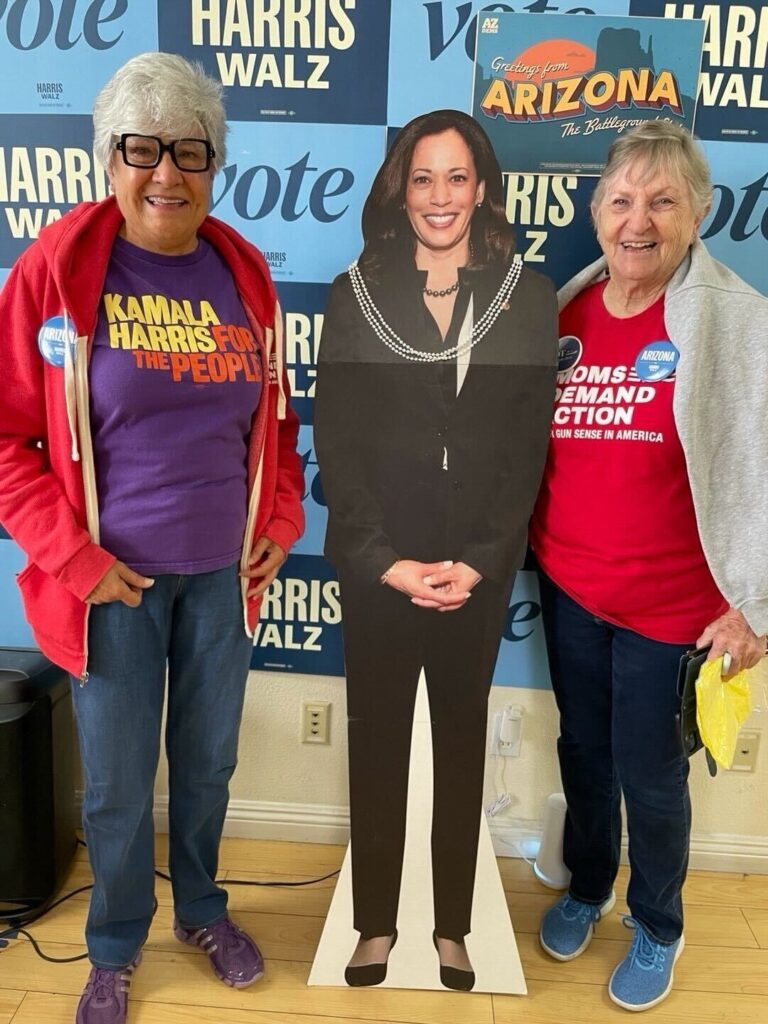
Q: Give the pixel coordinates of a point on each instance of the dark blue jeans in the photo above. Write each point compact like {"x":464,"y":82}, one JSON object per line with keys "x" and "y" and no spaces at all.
{"x":617,"y":696}
{"x":193,"y":625}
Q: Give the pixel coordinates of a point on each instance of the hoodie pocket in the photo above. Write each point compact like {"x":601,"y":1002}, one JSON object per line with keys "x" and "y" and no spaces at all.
{"x":56,"y":616}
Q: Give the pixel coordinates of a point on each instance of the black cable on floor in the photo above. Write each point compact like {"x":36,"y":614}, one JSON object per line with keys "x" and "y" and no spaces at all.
{"x":308,"y":881}
{"x":44,"y":956}
{"x":17,"y":921}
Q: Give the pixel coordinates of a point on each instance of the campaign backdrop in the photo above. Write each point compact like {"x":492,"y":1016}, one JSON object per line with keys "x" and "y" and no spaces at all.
{"x":314,"y":91}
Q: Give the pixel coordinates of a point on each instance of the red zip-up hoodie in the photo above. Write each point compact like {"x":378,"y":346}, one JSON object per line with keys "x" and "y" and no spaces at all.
{"x":48,"y":490}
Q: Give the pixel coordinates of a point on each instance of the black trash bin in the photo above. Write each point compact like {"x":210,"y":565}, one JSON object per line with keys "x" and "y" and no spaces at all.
{"x":38,"y":816}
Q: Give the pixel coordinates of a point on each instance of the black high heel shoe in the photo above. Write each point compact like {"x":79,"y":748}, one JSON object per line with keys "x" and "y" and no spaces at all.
{"x":368,"y":974}
{"x":454,"y":977}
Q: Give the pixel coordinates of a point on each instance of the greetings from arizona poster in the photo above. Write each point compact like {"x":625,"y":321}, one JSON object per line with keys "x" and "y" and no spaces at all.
{"x":554,"y":91}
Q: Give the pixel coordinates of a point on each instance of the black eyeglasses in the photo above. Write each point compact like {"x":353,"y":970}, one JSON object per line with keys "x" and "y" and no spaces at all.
{"x":147,"y":151}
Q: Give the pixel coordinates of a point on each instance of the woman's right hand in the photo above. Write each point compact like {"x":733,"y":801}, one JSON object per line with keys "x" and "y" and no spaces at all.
{"x":731,"y":634}
{"x":119,"y":583}
{"x":408,"y":575}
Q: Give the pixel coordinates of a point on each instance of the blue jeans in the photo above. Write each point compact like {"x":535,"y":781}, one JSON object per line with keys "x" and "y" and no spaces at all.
{"x":194,"y":625}
{"x":617,"y":696}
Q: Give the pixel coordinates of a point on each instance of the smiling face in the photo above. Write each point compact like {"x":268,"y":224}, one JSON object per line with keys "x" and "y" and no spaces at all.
{"x":441,"y":195}
{"x":163,"y":207}
{"x":644,"y":227}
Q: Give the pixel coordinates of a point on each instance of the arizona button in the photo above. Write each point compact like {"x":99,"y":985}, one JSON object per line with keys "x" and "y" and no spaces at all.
{"x":656,"y":361}
{"x":52,"y":339}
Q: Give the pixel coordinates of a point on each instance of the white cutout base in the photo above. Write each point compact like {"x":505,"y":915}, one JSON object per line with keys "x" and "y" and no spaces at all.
{"x":413,"y":962}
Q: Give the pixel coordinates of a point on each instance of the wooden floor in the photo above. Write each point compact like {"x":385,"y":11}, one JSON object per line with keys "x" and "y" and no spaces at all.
{"x":722,"y":978}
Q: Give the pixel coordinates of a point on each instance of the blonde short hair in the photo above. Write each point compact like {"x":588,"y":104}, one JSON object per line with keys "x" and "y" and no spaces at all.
{"x":657,"y":145}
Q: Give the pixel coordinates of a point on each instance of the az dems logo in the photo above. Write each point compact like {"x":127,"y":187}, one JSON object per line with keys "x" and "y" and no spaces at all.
{"x":490,"y":26}
{"x":656,"y":361}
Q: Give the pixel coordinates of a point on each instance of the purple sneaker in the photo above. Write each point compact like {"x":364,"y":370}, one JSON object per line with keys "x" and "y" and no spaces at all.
{"x":235,"y":957}
{"x":105,"y":996}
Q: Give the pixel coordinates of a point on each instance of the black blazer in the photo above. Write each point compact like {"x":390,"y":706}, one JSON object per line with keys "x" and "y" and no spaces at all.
{"x":384,"y":426}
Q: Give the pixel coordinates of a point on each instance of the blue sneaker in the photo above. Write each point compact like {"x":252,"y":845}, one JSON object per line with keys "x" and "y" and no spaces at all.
{"x":644,"y":977}
{"x":567,"y":927}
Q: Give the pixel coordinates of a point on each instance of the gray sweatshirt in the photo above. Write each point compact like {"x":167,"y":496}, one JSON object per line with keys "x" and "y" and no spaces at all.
{"x":719,"y":324}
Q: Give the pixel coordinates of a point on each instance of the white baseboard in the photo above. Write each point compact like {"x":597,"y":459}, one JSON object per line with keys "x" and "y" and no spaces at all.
{"x":709,"y":851}
{"x":318,"y":823}
{"x":722,"y":852}
{"x":265,"y":819}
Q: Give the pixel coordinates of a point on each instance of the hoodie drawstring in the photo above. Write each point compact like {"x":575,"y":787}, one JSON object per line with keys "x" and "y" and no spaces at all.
{"x":70,"y":389}
{"x":282,"y":401}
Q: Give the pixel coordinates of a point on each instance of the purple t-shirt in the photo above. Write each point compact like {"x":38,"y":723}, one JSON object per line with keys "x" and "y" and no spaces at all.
{"x":175,"y":378}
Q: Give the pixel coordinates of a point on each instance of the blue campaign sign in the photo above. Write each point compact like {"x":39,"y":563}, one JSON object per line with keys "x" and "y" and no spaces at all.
{"x":318,"y":61}
{"x":550,"y":215}
{"x":14,"y":631}
{"x":553,"y":93}
{"x":733,"y":88}
{"x":57,"y":55}
{"x":300,"y":625}
{"x":315,"y":509}
{"x":297,"y":191}
{"x":432,"y":46}
{"x":303,"y":310}
{"x":522,"y":658}
{"x":736,"y":230}
{"x":46,"y":168}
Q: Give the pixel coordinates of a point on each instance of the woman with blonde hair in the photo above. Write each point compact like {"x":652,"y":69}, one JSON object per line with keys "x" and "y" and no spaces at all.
{"x":649,"y":535}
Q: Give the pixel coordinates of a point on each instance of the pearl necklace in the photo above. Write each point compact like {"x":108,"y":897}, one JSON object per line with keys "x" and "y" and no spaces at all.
{"x":395,"y":343}
{"x":439,"y":293}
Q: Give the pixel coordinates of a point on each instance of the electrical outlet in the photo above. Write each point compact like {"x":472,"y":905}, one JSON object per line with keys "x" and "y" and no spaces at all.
{"x":506,"y":732}
{"x":747,"y":747}
{"x":316,"y":721}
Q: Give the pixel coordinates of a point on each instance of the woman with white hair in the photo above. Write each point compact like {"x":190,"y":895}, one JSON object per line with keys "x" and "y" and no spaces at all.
{"x":649,"y":534}
{"x":149,"y":471}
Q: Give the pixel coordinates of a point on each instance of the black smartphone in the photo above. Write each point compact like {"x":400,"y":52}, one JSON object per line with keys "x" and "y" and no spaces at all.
{"x":690,"y":737}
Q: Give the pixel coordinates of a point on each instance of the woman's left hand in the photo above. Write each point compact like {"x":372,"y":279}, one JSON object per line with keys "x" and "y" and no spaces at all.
{"x":460,"y":578}
{"x":264,"y":564}
{"x":731,"y":633}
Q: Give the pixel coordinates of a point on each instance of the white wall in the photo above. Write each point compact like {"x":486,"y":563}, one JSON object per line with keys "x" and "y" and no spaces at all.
{"x":284,"y":789}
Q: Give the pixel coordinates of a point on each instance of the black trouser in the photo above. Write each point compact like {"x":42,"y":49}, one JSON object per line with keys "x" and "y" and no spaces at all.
{"x":387,"y":640}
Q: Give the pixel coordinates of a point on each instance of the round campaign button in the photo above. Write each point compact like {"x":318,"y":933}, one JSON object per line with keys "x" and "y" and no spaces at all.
{"x":570,"y":349}
{"x":52,"y":339}
{"x":656,"y":361}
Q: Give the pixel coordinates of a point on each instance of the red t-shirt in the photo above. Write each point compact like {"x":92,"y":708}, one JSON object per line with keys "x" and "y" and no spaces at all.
{"x":614,"y":524}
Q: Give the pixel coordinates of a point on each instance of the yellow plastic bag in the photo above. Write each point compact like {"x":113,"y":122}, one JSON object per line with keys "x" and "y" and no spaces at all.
{"x":721,"y":707}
